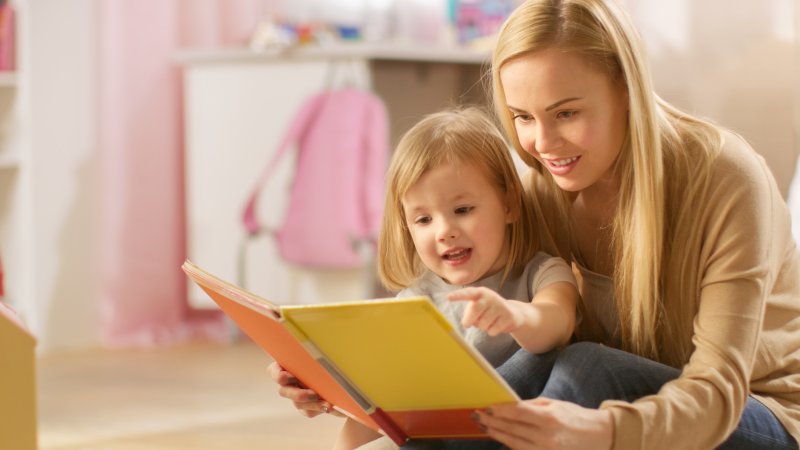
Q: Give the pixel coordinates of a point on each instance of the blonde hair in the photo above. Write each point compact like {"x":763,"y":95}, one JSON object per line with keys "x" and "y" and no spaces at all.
{"x":663,"y":164}
{"x":465,"y":136}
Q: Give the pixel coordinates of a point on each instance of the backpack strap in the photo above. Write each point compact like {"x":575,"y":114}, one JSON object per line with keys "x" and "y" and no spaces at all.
{"x":296,"y":129}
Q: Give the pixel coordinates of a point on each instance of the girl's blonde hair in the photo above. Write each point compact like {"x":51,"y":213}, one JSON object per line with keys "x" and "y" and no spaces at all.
{"x":466,"y":136}
{"x":663,"y":165}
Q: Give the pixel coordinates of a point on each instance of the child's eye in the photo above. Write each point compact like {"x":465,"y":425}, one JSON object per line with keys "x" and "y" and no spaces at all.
{"x":464,"y":209}
{"x":422,"y":220}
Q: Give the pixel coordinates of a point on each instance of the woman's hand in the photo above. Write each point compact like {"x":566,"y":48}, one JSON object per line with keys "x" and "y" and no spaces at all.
{"x":543,"y":423}
{"x":305,"y":400}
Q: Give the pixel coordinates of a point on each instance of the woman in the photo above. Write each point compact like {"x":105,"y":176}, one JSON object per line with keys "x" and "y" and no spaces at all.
{"x":688,"y":272}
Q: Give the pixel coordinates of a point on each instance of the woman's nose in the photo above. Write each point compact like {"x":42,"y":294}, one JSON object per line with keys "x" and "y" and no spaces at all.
{"x":546,"y":139}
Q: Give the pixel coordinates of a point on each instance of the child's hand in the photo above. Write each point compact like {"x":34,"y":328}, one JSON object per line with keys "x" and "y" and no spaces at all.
{"x":487,"y":310}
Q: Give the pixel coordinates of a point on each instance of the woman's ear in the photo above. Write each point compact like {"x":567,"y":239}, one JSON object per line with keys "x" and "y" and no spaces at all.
{"x":626,"y":95}
{"x":512,"y":208}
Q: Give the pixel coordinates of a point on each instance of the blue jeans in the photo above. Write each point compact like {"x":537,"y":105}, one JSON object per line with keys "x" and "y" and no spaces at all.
{"x":617,"y":375}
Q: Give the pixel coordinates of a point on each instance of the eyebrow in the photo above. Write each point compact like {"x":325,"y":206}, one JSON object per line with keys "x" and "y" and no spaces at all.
{"x":551,"y":107}
{"x":461,"y":197}
{"x":561,"y":102}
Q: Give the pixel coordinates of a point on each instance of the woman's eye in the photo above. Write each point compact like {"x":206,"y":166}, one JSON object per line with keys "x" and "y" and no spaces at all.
{"x":464,"y":209}
{"x":422,"y":220}
{"x":522,"y":118}
{"x":567,"y":114}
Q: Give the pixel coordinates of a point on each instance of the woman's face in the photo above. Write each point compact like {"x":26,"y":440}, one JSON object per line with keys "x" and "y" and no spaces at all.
{"x":570,"y":116}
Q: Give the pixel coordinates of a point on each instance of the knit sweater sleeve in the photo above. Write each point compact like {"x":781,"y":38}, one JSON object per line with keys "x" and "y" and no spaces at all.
{"x":702,"y":406}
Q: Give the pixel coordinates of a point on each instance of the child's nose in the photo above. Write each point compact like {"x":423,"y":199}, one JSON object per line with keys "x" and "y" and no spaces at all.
{"x":447,"y":230}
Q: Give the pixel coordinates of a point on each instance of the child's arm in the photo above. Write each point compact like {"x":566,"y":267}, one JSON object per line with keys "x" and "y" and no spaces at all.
{"x":539,"y":326}
{"x":353,"y":435}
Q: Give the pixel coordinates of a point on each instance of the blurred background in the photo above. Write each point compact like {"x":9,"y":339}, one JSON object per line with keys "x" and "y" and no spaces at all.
{"x":133,"y":133}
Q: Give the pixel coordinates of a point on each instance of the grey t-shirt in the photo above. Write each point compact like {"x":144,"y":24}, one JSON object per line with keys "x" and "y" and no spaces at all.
{"x":540,"y":271}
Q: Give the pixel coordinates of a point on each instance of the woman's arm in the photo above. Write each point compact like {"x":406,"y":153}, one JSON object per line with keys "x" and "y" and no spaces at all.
{"x":740,"y":221}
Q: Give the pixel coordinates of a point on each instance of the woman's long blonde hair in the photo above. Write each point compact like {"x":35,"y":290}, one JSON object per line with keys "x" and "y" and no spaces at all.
{"x":662,"y":166}
{"x":466,"y":136}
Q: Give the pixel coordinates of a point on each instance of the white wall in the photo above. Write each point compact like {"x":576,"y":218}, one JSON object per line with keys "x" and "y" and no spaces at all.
{"x":735,"y":63}
{"x":60,"y":78}
{"x":60,"y":119}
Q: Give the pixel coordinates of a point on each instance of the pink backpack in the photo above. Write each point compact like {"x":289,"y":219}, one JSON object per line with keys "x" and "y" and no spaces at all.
{"x":336,"y":197}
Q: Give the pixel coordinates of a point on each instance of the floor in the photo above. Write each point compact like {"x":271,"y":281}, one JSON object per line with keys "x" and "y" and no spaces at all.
{"x":198,"y":397}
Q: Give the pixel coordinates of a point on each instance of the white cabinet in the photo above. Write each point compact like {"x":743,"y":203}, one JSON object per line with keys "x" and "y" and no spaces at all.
{"x":237,"y":106}
{"x":15,"y":242}
{"x":10,"y":192}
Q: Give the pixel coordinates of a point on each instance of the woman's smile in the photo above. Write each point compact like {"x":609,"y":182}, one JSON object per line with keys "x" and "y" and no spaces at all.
{"x":562,"y":166}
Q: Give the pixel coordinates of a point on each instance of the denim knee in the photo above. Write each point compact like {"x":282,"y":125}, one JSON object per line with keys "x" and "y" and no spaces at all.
{"x":574,"y":371}
{"x":579,"y":352}
{"x":587,"y":373}
{"x":527,"y":373}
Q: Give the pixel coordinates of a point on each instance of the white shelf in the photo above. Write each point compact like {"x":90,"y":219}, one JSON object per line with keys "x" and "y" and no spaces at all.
{"x":344,"y":50}
{"x":8,"y":79}
{"x":9,"y":160}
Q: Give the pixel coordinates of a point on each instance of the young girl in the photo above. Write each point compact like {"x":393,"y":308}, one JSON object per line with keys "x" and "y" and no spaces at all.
{"x":456,"y":227}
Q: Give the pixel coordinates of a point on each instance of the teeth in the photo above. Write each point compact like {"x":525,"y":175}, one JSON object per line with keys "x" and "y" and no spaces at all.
{"x":456,"y":255}
{"x":564,"y":162}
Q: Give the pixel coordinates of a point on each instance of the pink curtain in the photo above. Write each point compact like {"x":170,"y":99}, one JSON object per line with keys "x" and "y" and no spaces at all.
{"x":143,"y":291}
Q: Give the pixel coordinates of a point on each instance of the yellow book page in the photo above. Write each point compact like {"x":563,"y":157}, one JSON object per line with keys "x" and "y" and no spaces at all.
{"x":402,"y":354}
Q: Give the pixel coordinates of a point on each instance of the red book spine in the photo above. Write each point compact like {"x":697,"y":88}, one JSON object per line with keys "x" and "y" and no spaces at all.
{"x":389,"y":427}
{"x":7,"y":38}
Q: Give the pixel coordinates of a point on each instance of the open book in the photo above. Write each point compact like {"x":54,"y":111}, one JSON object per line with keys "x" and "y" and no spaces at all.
{"x":395,"y":365}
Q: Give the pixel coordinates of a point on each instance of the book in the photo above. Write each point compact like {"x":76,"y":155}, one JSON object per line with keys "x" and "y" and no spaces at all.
{"x":395,"y":365}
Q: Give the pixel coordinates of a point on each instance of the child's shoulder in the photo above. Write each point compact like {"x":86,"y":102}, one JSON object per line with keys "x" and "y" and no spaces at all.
{"x":544,"y":269}
{"x":426,"y":284}
{"x":542,"y":257}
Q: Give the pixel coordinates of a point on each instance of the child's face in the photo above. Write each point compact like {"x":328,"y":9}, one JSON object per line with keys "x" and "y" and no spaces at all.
{"x":457,"y":220}
{"x":568,"y":115}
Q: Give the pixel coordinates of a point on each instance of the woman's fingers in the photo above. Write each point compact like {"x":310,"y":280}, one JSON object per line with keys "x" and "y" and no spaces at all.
{"x":297,"y":394}
{"x":274,"y":370}
{"x":509,"y":431}
{"x":509,"y":440}
{"x":305,"y":400}
{"x":281,"y":376}
{"x":548,"y":424}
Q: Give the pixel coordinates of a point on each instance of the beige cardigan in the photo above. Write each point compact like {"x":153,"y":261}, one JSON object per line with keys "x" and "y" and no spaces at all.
{"x":747,"y":330}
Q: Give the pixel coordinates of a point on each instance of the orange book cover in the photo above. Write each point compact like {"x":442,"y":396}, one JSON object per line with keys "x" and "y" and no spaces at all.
{"x":400,"y":365}
{"x":269,"y":331}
